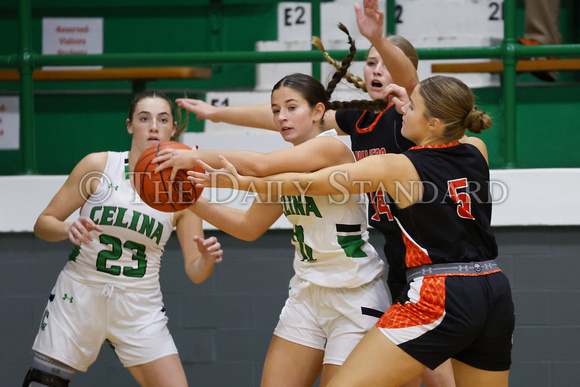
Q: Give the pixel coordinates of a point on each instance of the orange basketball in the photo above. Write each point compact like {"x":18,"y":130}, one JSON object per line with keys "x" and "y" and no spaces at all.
{"x":156,"y":189}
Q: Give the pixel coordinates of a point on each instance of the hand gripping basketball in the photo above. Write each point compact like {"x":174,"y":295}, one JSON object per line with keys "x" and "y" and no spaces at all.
{"x":157,"y":189}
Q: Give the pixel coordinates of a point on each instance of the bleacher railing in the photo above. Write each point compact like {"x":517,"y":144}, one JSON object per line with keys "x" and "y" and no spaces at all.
{"x":26,"y":61}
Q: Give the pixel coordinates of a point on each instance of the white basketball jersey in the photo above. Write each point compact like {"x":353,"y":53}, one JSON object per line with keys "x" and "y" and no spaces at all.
{"x":331,"y":239}
{"x":128,"y":251}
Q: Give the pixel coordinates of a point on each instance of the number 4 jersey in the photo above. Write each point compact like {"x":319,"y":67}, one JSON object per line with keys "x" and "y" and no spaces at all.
{"x":128,"y":251}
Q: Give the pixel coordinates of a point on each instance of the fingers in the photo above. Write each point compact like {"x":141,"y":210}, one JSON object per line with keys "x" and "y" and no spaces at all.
{"x":205,"y":166}
{"x":397,"y":95}
{"x":195,"y":106}
{"x":210,"y":248}
{"x":200,"y":179}
{"x":185,"y":103}
{"x":358,"y":11}
{"x":394,"y":90}
{"x":79,"y":231}
{"x":227,"y":165}
{"x":162,"y":165}
{"x":176,"y":158}
{"x":164,"y":158}
{"x":173,"y":173}
{"x":398,"y":104}
{"x":215,"y":177}
{"x":183,"y":100}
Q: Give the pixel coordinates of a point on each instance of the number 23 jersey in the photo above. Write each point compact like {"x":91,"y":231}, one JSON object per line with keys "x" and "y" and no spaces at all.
{"x":128,"y":251}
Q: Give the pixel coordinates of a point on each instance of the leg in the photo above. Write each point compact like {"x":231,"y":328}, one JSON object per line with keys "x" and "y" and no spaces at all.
{"x":441,"y":376}
{"x":47,"y":371}
{"x":542,"y":21}
{"x":467,"y":376}
{"x":328,"y":372}
{"x":376,"y":361}
{"x":163,"y":372}
{"x":289,"y":364}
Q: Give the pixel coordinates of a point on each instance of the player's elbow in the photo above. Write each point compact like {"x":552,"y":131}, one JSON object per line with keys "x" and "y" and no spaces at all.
{"x":257,"y":170}
{"x":40,"y":230}
{"x":199,"y":279}
{"x":249,"y":237}
{"x":258,"y":166}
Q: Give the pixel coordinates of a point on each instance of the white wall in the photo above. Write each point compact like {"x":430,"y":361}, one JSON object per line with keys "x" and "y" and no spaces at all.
{"x":522,"y":197}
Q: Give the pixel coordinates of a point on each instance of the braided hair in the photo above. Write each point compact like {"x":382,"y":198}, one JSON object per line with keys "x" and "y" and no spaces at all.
{"x":355,"y":80}
{"x":314,"y":92}
{"x":398,"y":41}
{"x":376,"y":105}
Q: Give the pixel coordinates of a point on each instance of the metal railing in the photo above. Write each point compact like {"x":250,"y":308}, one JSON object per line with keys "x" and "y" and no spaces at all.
{"x":509,"y":52}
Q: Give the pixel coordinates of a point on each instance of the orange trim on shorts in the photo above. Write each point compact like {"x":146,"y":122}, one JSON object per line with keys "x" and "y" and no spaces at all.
{"x":431,"y":305}
{"x":429,"y":308}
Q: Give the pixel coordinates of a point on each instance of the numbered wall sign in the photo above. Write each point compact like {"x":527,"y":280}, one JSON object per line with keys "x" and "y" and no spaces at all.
{"x":9,"y":123}
{"x":457,"y":20}
{"x":294,"y":21}
{"x":72,"y":36}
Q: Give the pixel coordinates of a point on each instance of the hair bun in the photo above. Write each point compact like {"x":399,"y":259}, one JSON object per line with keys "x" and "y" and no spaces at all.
{"x":476,"y":121}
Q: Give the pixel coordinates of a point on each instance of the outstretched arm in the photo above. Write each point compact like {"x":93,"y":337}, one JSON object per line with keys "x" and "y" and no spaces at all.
{"x":309,"y":156}
{"x":393,"y":173}
{"x":370,"y":22}
{"x":255,"y":116}
{"x":247,"y":225}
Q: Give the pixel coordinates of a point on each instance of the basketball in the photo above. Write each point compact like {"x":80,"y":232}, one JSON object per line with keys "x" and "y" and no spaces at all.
{"x":157,"y":189}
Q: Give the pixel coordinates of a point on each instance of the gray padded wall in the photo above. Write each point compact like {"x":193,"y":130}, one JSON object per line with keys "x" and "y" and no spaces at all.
{"x":223,"y":326}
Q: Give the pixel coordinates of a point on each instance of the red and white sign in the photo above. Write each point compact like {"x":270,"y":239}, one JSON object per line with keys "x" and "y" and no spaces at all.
{"x":72,"y":36}
{"x":9,"y":122}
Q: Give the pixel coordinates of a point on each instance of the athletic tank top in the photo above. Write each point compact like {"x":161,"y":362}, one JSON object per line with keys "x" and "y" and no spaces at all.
{"x":451,"y":223}
{"x":128,"y":251}
{"x":331,"y":239}
{"x":373,"y":134}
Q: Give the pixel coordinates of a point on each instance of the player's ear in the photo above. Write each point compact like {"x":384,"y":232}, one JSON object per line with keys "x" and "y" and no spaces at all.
{"x":129,"y":126}
{"x":319,"y":111}
{"x":434,"y":122}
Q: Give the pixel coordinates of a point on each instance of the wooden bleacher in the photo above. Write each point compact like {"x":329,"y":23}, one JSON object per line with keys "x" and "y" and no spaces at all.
{"x":138,"y":76}
{"x":497,"y":66}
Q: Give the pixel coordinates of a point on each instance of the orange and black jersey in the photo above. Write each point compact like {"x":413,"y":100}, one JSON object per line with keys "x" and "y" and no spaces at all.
{"x":372,"y":134}
{"x":452,"y":221}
